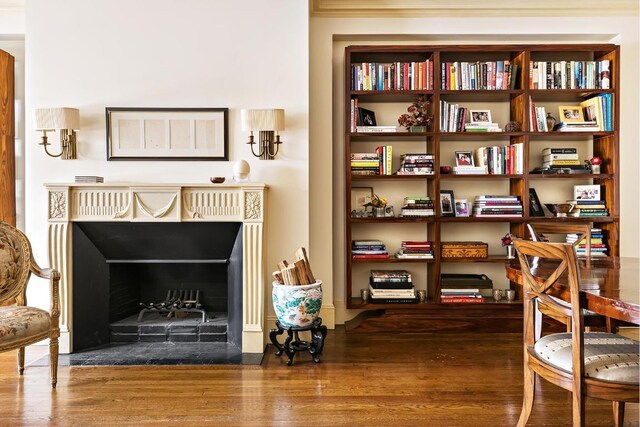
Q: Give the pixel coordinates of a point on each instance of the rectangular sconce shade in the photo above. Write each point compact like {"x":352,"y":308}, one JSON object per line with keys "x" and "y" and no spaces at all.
{"x":257,"y":120}
{"x":56,"y":118}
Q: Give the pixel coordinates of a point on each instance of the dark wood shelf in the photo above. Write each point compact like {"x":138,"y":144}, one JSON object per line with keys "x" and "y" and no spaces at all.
{"x":390,"y":220}
{"x":537,"y":136}
{"x":478,"y":176}
{"x":393,"y":177}
{"x":491,"y":259}
{"x":451,"y":136}
{"x":356,"y":303}
{"x":418,"y":136}
{"x":391,"y":260}
{"x":570,"y":176}
{"x":473,"y":219}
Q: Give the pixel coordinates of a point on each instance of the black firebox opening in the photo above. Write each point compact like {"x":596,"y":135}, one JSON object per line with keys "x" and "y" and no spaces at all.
{"x":118,"y":265}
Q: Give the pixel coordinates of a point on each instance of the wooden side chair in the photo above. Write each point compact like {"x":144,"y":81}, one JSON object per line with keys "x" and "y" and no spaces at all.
{"x":537,"y":232}
{"x":599,"y":364}
{"x":21,"y":325}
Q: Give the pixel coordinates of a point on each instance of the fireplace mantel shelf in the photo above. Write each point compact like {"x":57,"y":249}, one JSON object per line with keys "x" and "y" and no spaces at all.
{"x":162,"y":202}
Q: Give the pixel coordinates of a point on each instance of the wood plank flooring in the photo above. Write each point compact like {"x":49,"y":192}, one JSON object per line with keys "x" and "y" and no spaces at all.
{"x":363,"y":380}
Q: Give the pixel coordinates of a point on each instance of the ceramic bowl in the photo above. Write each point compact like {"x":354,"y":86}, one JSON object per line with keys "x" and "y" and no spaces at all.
{"x":560,"y":209}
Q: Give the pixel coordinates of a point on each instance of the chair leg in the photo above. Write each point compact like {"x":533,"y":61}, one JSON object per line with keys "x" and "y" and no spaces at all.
{"x":21,"y":360}
{"x":612,"y":326}
{"x":578,"y":409}
{"x":618,"y":414}
{"x":53,"y":360}
{"x":529,"y":394}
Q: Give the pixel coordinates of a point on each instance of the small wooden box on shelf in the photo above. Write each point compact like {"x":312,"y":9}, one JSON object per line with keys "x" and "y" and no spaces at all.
{"x":499,"y":78}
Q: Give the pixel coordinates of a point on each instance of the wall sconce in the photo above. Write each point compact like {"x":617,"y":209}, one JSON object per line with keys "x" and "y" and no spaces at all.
{"x":65,"y":120}
{"x":267,"y":123}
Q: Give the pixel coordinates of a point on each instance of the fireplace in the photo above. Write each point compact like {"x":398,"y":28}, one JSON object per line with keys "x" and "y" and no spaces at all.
{"x":119,"y":245}
{"x":117,"y":266}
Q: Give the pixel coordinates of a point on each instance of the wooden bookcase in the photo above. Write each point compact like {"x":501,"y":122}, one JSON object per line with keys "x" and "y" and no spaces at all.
{"x":514,"y":104}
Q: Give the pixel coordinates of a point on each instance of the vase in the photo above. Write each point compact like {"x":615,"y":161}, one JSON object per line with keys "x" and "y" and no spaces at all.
{"x":511,"y":251}
{"x":297,"y":306}
{"x":551,"y":122}
{"x":417,"y":129}
{"x":378,"y":212}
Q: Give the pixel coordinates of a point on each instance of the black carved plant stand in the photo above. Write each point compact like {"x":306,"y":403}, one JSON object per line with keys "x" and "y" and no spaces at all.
{"x":291,"y":346}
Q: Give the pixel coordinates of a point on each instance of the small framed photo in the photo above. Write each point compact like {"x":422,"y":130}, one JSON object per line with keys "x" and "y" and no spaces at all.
{"x":480,"y":116}
{"x":366,"y":117}
{"x":360,"y":197}
{"x":462,"y":207}
{"x":447,"y":203}
{"x":535,"y":207}
{"x":464,"y":158}
{"x":586,"y":192}
{"x":570,"y":113}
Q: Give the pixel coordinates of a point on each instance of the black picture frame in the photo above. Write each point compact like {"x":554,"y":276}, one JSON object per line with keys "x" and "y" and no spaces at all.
{"x":447,"y":203}
{"x":535,"y":207}
{"x":366,"y":117}
{"x":218,"y":151}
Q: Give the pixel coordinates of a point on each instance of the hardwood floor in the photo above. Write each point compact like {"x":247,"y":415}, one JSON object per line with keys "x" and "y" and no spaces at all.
{"x":363,"y":380}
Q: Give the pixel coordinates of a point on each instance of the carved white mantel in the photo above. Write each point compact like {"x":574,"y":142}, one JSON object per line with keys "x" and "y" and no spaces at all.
{"x":134,"y":202}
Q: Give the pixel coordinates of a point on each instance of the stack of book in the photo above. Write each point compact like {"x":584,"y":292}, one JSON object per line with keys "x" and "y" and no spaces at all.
{"x":391,"y":286}
{"x":598,"y":247}
{"x":416,"y":164}
{"x":588,"y":207}
{"x":365,"y":164}
{"x":469,"y":170}
{"x":482,"y":127}
{"x":89,"y":178}
{"x":577,"y":127}
{"x":368,"y":249}
{"x":460,"y":296}
{"x":537,"y":118}
{"x":415,"y":250}
{"x":369,"y":129}
{"x":417,"y":207}
{"x":497,"y":207}
{"x":560,"y":157}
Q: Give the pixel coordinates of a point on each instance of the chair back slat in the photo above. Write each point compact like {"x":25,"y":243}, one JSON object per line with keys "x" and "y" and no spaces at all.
{"x":583,"y":230}
{"x":15,"y":262}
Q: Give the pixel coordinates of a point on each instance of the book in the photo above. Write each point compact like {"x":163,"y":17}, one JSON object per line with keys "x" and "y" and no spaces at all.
{"x":567,"y":150}
{"x":365,"y":129}
{"x":456,"y":300}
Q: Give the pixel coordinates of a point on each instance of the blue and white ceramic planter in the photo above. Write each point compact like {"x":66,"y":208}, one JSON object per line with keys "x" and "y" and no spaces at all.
{"x":297,"y":306}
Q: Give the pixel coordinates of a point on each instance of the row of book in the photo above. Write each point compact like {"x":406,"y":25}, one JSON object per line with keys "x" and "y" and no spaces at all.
{"x":391,"y":286}
{"x":416,"y":164}
{"x":599,"y":109}
{"x":410,"y":249}
{"x":377,"y":163}
{"x":392,"y":76}
{"x":598,"y":246}
{"x":492,"y":206}
{"x":500,"y":160}
{"x":417,"y":207}
{"x":569,"y":74}
{"x":492,"y":75}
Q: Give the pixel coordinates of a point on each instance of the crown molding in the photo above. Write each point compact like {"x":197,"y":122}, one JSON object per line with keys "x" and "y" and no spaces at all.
{"x":471,"y":8}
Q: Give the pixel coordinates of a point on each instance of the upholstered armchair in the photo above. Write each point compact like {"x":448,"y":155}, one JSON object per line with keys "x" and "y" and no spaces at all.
{"x":21,"y":325}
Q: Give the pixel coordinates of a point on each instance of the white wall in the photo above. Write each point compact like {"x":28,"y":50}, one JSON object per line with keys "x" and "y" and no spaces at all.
{"x":165,"y":53}
{"x":329,"y":36}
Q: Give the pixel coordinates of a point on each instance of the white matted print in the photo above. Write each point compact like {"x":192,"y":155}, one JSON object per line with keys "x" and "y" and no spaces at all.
{"x":167,"y":134}
{"x":586,"y":192}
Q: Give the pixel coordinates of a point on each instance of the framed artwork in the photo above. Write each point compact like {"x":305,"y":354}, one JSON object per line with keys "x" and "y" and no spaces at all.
{"x":535,"y":207}
{"x":464,"y":158}
{"x":586,"y":192}
{"x":167,"y":133}
{"x":447,"y":203}
{"x":462,"y":207}
{"x":366,"y":117}
{"x":570,"y":113}
{"x":480,"y":116}
{"x":360,"y":197}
